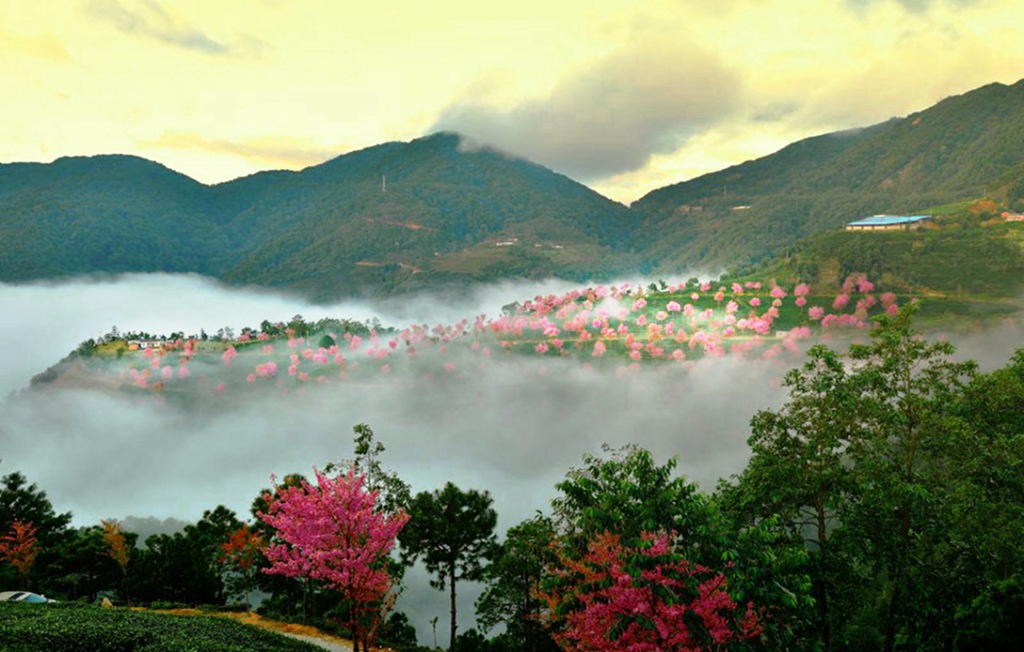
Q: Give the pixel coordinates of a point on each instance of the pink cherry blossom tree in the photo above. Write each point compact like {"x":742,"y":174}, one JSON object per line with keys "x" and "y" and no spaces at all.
{"x":646,"y":598}
{"x":331,"y":531}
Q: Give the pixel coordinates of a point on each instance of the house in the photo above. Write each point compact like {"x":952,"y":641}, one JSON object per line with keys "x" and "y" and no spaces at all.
{"x":1010,"y":216}
{"x":888,"y":223}
{"x":137,"y":345}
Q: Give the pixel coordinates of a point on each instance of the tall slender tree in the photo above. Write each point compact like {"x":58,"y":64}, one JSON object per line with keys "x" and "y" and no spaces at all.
{"x":453,"y":531}
{"x":799,"y":469}
{"x":512,"y":596}
{"x":910,"y":387}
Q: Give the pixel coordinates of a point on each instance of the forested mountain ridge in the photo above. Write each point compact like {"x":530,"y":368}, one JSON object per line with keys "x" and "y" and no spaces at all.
{"x":965,"y":147}
{"x":108,"y":213}
{"x":402,"y":216}
{"x":374,"y":220}
{"x":388,"y":215}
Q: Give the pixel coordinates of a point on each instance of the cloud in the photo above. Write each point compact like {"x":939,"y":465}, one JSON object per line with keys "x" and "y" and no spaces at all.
{"x":510,"y":425}
{"x":274,"y":151}
{"x":41,"y":46}
{"x":911,"y":6}
{"x":612,"y":116}
{"x":896,"y":83}
{"x":513,"y":429}
{"x":513,"y":425}
{"x":147,"y":18}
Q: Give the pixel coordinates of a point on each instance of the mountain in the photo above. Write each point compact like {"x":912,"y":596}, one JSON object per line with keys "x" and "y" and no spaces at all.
{"x":964,"y":147}
{"x":408,"y":214}
{"x":398,"y":215}
{"x":103,"y":214}
{"x":402,"y":216}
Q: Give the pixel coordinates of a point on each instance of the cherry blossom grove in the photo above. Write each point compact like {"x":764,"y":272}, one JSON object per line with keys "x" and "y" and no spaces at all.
{"x":619,"y":327}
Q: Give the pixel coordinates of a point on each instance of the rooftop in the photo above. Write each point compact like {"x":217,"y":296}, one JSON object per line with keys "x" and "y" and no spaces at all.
{"x":889,"y":220}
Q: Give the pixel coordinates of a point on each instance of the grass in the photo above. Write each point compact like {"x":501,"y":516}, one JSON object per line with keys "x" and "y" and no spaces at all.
{"x":60,"y":627}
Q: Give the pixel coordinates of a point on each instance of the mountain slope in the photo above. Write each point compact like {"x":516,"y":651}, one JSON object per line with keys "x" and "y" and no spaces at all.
{"x":102,"y":214}
{"x":403,"y":216}
{"x":329,"y":230}
{"x":957,"y":149}
{"x":387,"y":212}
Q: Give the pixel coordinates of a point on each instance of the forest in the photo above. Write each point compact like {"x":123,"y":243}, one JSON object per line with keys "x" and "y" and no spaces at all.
{"x":882,"y":508}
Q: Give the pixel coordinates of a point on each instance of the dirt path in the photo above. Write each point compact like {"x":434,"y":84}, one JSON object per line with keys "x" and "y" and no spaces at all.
{"x":293,"y":630}
{"x":334,"y":645}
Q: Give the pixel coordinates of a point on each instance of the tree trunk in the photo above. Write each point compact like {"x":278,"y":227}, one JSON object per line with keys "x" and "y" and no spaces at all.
{"x":823,"y":588}
{"x":451,"y":598}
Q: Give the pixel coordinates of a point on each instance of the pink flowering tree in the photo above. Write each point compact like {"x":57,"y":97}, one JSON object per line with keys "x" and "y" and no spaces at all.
{"x":646,"y":598}
{"x":332,"y":532}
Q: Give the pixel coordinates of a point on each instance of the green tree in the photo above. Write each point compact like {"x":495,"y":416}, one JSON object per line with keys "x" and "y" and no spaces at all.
{"x":393,"y":493}
{"x":799,"y":472}
{"x":26,"y":503}
{"x":513,"y":583}
{"x":904,"y":467}
{"x":183,"y":567}
{"x":992,"y":620}
{"x":627,"y":494}
{"x":453,"y":531}
{"x":21,"y":501}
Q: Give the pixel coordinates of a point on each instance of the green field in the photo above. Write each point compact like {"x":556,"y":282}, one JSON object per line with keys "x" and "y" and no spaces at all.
{"x":76,"y":627}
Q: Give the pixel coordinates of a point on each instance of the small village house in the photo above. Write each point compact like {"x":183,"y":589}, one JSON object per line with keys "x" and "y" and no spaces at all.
{"x":888,"y":223}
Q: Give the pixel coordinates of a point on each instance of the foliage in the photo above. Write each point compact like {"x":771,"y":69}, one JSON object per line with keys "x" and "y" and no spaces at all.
{"x":27,"y":503}
{"x":627,"y":494}
{"x":901,"y":468}
{"x":992,"y":620}
{"x":20,"y":501}
{"x":118,"y":546}
{"x":20,"y":547}
{"x":905,"y":469}
{"x":393,"y":493}
{"x":798,"y":472}
{"x":646,"y":597}
{"x":453,"y":532}
{"x":242,"y":551}
{"x":182,"y":567}
{"x":71,"y":627}
{"x":513,"y":580}
{"x":332,"y":532}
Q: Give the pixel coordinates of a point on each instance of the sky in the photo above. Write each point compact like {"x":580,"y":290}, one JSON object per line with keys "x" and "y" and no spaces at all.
{"x":624,"y":96}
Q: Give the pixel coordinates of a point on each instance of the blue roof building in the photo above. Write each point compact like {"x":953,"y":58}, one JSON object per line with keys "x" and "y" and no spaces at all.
{"x":887,"y":222}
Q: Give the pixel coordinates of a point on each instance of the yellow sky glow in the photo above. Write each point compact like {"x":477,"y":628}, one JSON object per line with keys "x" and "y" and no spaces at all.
{"x":624,"y":96}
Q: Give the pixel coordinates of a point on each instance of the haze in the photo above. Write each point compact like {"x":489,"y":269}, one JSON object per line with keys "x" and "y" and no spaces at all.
{"x":511,"y":426}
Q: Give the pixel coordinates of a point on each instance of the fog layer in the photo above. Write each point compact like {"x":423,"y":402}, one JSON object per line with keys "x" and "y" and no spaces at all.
{"x":510,"y":427}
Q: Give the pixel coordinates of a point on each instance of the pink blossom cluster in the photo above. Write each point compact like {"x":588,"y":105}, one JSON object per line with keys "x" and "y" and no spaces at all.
{"x":622,"y":322}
